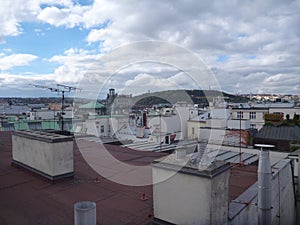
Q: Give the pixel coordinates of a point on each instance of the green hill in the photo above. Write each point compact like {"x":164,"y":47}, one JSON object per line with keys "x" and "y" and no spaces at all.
{"x":199,"y":97}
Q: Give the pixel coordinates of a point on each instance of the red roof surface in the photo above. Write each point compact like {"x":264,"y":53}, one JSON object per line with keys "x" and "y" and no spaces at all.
{"x":241,"y":178}
{"x":27,"y":198}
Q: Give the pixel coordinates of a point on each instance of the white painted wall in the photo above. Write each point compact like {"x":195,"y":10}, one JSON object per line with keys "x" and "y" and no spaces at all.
{"x":187,"y":199}
{"x":93,"y":126}
{"x":183,"y":113}
{"x":258,"y":121}
{"x":116,"y":123}
{"x":168,"y":124}
{"x":193,"y":128}
{"x":179,"y":203}
{"x":237,"y":124}
{"x":216,"y":123}
{"x":50,"y":158}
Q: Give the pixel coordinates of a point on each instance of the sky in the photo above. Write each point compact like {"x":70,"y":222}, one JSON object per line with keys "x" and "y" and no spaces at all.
{"x":250,"y":46}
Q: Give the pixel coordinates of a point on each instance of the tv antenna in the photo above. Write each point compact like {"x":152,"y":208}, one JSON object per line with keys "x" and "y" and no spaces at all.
{"x":60,"y":88}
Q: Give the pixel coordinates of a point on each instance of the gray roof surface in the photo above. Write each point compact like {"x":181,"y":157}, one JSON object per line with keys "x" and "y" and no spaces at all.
{"x":291,"y":133}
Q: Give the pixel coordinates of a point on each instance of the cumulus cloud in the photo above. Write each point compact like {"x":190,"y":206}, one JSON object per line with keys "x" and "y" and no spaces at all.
{"x":9,"y":61}
{"x":13,"y":13}
{"x":259,"y":39}
{"x":143,"y":82}
{"x":74,"y":64}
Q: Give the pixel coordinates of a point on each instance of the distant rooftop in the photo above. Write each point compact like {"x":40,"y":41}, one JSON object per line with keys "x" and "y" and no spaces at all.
{"x":92,"y":105}
{"x":291,"y":133}
{"x":13,"y":109}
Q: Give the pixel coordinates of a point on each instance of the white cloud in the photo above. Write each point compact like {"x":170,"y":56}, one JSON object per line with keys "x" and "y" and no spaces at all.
{"x":74,"y":64}
{"x":69,"y":16}
{"x":143,"y":82}
{"x":260,"y":38}
{"x":10,"y":61}
{"x":66,"y":3}
{"x":13,"y":13}
{"x":53,"y":16}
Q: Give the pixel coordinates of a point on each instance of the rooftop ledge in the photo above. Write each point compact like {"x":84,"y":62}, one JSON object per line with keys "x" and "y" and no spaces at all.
{"x":43,"y":136}
{"x":170,"y":163}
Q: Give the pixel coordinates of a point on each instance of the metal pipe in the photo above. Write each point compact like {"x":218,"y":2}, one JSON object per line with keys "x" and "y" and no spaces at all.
{"x":264,"y":186}
{"x":85,"y":213}
{"x":298,"y":196}
{"x":298,"y":191}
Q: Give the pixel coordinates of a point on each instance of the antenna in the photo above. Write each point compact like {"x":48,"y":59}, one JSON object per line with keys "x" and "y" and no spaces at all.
{"x":60,"y":88}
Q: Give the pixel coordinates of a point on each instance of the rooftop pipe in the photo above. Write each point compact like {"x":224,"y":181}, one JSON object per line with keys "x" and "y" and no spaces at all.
{"x":264,"y":186}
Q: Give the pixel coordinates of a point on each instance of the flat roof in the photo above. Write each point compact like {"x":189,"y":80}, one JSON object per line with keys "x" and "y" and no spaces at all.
{"x":241,"y":178}
{"x":27,"y":198}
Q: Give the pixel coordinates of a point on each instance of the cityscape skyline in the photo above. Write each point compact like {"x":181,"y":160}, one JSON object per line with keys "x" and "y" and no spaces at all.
{"x":253,"y":49}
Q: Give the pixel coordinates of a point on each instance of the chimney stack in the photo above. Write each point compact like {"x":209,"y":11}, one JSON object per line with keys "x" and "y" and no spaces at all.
{"x":264,"y":186}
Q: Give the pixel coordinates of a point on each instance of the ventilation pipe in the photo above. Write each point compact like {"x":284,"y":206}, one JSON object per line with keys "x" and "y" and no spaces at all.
{"x":85,"y":213}
{"x":298,"y":196}
{"x":264,"y":186}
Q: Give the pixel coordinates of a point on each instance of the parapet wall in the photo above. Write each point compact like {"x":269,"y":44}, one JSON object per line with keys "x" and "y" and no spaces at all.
{"x":48,"y":154}
{"x":243,"y":210}
{"x":190,"y":196}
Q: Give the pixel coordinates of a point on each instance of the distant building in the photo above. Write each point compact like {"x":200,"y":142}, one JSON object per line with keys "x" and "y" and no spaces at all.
{"x":213,"y":118}
{"x":282,"y":137}
{"x":118,"y":104}
{"x":13,"y":110}
{"x":254,"y":115}
{"x":43,"y":114}
{"x":92,"y":108}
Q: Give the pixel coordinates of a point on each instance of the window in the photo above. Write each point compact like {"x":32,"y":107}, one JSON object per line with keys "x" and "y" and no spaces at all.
{"x":252,"y":115}
{"x":102,"y":129}
{"x":35,"y":126}
{"x":193,"y":130}
{"x":240,"y":115}
{"x":253,"y":126}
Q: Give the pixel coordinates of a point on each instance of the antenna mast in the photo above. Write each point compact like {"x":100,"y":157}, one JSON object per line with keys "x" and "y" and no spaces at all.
{"x":60,"y":88}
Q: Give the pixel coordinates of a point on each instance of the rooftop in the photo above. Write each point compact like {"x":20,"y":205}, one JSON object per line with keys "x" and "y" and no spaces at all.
{"x":291,"y":133}
{"x":27,"y":198}
{"x":92,"y":105}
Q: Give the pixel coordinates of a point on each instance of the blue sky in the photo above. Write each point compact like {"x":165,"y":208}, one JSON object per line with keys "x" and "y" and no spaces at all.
{"x":64,"y":41}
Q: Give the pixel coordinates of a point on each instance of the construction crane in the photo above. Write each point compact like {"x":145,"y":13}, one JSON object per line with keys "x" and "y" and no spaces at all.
{"x":60,"y":88}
